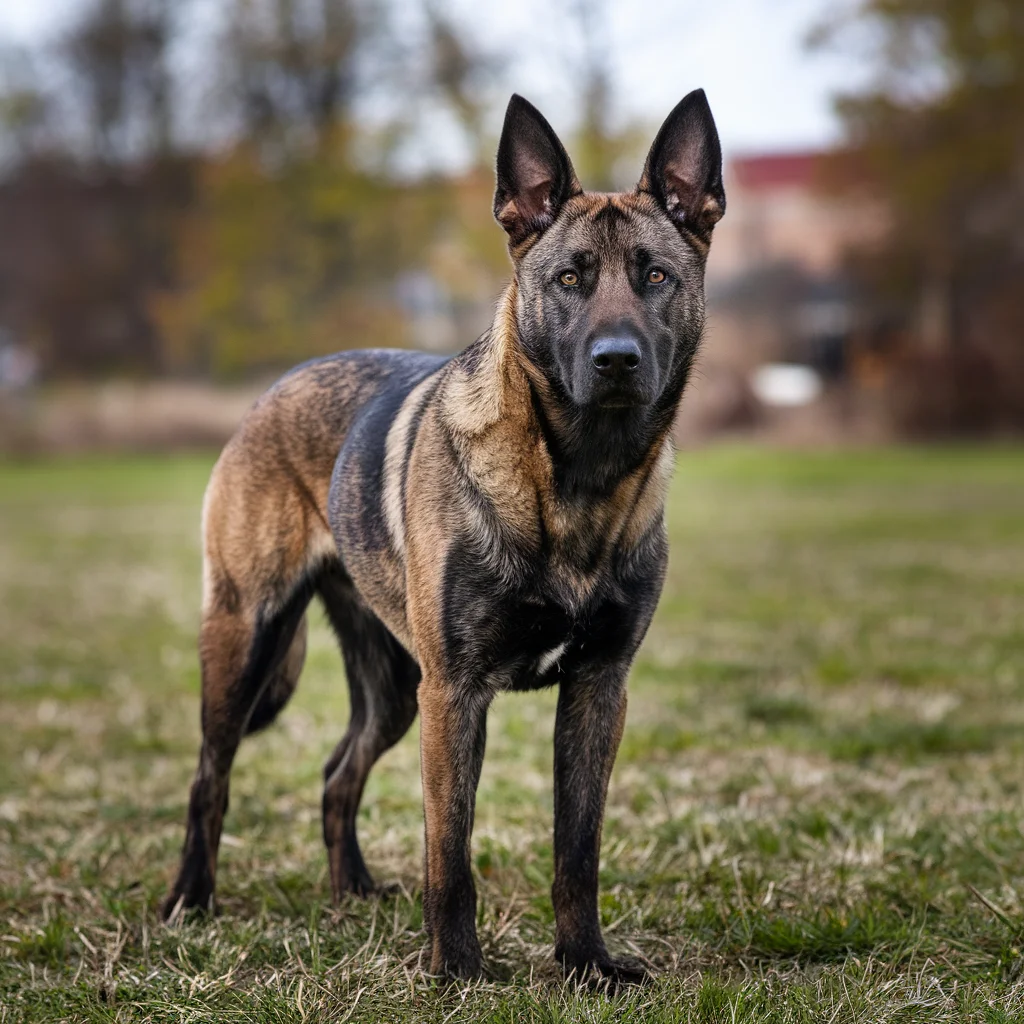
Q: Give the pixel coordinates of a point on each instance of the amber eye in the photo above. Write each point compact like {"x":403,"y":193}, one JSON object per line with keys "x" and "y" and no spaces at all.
{"x":570,"y":279}
{"x":655,"y":276}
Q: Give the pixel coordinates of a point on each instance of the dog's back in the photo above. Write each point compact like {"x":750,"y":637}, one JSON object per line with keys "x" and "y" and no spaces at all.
{"x":265,"y":522}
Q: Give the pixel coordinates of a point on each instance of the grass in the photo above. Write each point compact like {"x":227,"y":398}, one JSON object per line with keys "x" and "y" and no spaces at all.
{"x":817,"y":813}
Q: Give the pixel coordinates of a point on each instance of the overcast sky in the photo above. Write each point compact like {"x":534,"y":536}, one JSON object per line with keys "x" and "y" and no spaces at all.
{"x":767,"y":92}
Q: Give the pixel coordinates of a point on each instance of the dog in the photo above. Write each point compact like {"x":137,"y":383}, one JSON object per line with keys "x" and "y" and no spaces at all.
{"x":486,"y":522}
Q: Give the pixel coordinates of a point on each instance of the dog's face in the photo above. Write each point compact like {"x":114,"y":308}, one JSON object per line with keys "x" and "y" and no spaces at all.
{"x":610,"y":286}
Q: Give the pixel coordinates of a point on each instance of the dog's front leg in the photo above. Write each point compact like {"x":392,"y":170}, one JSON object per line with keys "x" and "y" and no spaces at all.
{"x":588,"y":728}
{"x":452,"y":738}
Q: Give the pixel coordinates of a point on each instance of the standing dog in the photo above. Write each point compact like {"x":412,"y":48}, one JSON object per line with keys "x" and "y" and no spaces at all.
{"x":488,"y":522}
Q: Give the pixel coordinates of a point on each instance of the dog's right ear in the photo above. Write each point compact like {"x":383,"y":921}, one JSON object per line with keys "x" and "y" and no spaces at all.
{"x":535,"y":176}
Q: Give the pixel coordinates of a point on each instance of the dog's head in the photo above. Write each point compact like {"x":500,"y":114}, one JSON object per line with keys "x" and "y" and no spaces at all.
{"x":610,"y":286}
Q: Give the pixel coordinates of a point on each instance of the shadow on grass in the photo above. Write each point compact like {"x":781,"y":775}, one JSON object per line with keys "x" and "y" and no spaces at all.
{"x":910,"y":740}
{"x":826,"y":936}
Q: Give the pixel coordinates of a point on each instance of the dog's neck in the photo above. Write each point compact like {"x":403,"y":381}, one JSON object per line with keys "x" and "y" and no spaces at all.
{"x":486,"y":385}
{"x":553,"y":456}
{"x":590,"y":451}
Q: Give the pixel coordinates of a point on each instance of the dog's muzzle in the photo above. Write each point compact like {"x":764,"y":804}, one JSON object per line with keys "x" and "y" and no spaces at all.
{"x":617,"y":363}
{"x":616,"y":359}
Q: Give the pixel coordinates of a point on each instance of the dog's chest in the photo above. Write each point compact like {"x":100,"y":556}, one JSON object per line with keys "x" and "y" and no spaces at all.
{"x":529,"y":634}
{"x":530,"y":644}
{"x":542,"y":643}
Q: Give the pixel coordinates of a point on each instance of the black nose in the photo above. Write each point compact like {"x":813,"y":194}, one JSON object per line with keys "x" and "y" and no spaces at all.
{"x":615,"y":357}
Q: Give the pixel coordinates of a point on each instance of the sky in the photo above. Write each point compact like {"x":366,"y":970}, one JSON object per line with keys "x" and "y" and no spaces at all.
{"x":766,"y":90}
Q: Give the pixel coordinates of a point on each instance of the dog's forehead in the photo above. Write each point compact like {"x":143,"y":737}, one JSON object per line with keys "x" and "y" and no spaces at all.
{"x":616,"y":225}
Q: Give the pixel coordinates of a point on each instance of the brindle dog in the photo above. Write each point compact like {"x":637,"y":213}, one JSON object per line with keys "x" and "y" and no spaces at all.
{"x":488,"y":522}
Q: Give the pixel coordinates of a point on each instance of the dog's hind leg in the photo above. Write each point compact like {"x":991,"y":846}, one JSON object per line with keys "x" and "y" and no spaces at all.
{"x":281,"y":685}
{"x":382,"y":681}
{"x":250,"y":662}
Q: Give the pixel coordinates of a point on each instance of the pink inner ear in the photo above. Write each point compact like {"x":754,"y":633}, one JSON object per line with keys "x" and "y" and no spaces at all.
{"x":679,"y":195}
{"x":685,"y":201}
{"x":532,"y":206}
{"x":536,"y":200}
{"x":534,"y":178}
{"x":508,"y":215}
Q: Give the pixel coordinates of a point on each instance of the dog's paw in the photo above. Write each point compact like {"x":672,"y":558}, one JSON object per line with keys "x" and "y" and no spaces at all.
{"x":461,"y":964}
{"x":389,"y":891}
{"x":360,"y":886}
{"x":177,"y":904}
{"x":602,"y":972}
{"x":618,"y":972}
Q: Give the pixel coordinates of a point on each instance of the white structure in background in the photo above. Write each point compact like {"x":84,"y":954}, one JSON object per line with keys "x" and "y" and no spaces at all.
{"x":785,"y":385}
{"x":18,"y":365}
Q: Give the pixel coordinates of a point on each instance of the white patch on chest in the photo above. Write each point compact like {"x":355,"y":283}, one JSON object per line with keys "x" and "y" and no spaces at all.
{"x":551,"y":658}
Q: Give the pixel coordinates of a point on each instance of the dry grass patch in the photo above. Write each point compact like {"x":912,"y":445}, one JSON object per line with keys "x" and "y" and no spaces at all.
{"x":816,"y":814}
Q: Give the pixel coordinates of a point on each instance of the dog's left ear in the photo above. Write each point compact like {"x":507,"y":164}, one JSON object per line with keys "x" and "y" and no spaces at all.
{"x":535,"y":175}
{"x":684,"y":167}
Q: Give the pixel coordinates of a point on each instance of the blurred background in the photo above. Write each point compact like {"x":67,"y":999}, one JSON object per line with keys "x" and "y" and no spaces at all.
{"x":816,"y":812}
{"x":197,"y":194}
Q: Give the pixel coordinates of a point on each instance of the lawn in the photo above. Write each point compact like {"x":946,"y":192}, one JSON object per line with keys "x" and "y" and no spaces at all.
{"x":817,"y":813}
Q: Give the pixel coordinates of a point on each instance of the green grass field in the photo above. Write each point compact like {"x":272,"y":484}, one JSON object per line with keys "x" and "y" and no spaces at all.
{"x":817,"y":813}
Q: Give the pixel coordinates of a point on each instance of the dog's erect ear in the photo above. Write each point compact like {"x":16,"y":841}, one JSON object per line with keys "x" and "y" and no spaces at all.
{"x":535,"y":176}
{"x":684,"y":167}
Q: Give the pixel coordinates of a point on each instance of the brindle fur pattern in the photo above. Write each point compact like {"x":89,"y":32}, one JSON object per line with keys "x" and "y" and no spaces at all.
{"x":488,"y":522}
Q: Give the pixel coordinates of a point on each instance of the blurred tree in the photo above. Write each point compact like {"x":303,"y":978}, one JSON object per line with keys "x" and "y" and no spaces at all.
{"x":117,"y":56}
{"x":92,"y":190}
{"x":467,"y":256}
{"x":25,"y":108}
{"x":596,"y":145}
{"x":941,"y":136}
{"x":274,"y":266}
{"x":461,"y":71}
{"x":291,"y":68}
{"x":295,"y":243}
{"x":605,"y":151}
{"x":79,"y":253}
{"x":133,"y":240}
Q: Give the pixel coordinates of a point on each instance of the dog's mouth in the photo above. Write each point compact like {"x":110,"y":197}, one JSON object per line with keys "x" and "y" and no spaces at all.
{"x":609,"y":396}
{"x":622,"y":398}
{"x":620,"y":403}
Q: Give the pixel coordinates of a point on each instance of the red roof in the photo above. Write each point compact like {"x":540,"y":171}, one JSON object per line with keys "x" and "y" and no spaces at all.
{"x":777,"y":170}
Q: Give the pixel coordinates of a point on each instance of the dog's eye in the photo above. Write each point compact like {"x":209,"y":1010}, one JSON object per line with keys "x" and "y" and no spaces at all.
{"x":570,"y":279}
{"x":655,"y":276}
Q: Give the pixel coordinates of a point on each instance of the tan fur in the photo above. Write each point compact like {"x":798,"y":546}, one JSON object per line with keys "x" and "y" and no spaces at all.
{"x":394,"y":462}
{"x":265,"y":510}
{"x":436,"y":744}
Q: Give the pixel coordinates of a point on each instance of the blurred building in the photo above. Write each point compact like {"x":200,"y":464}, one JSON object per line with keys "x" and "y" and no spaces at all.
{"x":777,"y":290}
{"x":775,"y":275}
{"x":781,"y":209}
